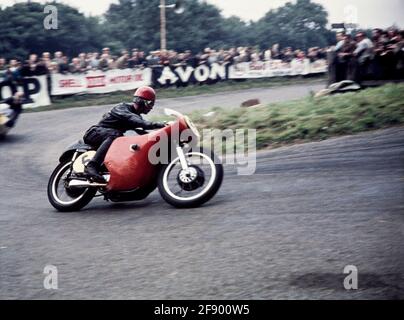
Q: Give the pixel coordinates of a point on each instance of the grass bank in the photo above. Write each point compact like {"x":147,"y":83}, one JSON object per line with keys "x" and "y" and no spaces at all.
{"x":76,"y":101}
{"x":312,"y":119}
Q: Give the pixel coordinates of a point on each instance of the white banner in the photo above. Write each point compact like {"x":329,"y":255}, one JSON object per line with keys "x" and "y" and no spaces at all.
{"x":100,"y":82}
{"x":276,"y":68}
{"x":199,"y":74}
{"x":41,"y":98}
{"x":33,"y":87}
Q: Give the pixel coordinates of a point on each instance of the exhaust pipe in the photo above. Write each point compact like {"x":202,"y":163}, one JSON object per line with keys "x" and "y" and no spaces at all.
{"x":77,"y":183}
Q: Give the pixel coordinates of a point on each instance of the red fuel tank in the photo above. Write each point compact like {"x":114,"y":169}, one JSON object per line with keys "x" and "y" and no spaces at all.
{"x":129,"y":169}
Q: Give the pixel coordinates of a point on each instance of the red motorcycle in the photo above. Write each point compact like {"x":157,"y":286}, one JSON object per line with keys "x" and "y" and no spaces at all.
{"x":168,"y":159}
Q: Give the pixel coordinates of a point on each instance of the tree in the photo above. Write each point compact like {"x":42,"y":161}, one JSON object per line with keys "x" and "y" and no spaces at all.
{"x":238,"y":33}
{"x":136,"y":24}
{"x":22,"y":31}
{"x":299,"y":25}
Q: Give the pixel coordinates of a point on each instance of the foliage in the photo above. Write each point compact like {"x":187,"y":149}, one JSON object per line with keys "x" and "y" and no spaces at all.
{"x":136,"y":24}
{"x":313,"y":118}
{"x":300,"y":25}
{"x":22,"y":31}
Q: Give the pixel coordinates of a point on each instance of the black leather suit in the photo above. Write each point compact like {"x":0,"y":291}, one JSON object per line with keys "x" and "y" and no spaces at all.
{"x":114,"y":124}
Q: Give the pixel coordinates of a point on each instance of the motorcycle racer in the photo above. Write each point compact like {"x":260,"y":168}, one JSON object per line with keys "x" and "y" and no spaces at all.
{"x":121,"y":118}
{"x":15,"y":108}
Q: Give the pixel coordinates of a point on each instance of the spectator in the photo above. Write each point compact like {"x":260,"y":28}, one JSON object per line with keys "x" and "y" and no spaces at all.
{"x":133,"y":61}
{"x":275,"y":53}
{"x":398,"y":49}
{"x":164,"y":58}
{"x":83,"y":62}
{"x":313,"y":54}
{"x":203,"y":58}
{"x":212,"y":57}
{"x":123,"y":61}
{"x":153,"y":58}
{"x":107,"y":53}
{"x":46,"y":59}
{"x":75,"y":66}
{"x":64,"y":65}
{"x":94,"y":61}
{"x":268,"y":55}
{"x":363,"y":54}
{"x":3,"y":69}
{"x":58,"y":57}
{"x":255,"y":57}
{"x":142,"y":59}
{"x":340,"y":41}
{"x":364,"y":47}
{"x":220,"y":56}
{"x":53,"y":68}
{"x":190,"y":59}
{"x":288,"y":55}
{"x":174,"y":59}
{"x":345,"y":60}
{"x":33,"y":67}
{"x":104,"y":62}
{"x":14,"y":70}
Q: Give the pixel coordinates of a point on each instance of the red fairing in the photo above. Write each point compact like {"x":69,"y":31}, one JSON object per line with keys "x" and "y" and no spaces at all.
{"x":132,"y":169}
{"x":129,"y":169}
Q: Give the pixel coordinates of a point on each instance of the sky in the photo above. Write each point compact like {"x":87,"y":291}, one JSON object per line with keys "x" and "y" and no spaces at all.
{"x":367,"y":13}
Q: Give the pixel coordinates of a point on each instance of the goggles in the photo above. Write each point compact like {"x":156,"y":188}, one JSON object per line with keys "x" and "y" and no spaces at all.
{"x":147,"y":103}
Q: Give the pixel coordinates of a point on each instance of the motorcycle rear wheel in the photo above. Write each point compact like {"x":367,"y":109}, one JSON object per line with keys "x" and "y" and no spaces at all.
{"x":80,"y":199}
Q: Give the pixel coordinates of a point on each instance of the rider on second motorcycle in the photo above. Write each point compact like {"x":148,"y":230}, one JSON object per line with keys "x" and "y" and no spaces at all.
{"x":121,"y":118}
{"x":15,"y":108}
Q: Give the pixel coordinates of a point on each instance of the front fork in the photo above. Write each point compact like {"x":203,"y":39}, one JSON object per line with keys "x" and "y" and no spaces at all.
{"x":183,"y":160}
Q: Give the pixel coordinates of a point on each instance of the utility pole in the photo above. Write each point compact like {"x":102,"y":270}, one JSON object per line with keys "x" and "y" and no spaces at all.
{"x":178,"y":9}
{"x":163,"y":28}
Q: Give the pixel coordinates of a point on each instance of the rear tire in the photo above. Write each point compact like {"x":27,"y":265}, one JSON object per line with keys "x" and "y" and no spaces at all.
{"x":65,"y":206}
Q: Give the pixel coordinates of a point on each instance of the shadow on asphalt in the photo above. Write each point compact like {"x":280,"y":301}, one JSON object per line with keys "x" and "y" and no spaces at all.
{"x":11,"y":138}
{"x":154,"y":204}
{"x":366,"y":281}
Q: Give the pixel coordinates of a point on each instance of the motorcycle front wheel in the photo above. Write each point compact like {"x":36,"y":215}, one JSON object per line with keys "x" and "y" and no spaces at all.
{"x":61,"y":197}
{"x":194,"y":187}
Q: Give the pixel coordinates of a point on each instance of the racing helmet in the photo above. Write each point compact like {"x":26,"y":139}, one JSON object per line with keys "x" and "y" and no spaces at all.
{"x":144,"y":97}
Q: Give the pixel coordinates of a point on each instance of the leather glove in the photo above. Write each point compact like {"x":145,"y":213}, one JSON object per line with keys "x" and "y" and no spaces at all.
{"x":158,"y":125}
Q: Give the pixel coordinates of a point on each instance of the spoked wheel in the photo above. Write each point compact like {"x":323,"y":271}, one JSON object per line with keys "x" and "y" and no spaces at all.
{"x":192,"y":187}
{"x":64,"y":198}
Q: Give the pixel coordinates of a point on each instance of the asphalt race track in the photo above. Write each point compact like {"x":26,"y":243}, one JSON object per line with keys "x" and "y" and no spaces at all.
{"x":286,"y":232}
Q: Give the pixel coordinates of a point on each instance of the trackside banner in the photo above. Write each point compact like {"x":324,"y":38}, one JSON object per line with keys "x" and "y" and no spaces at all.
{"x":100,"y":82}
{"x":276,"y":68}
{"x":169,"y":75}
{"x":35,"y":88}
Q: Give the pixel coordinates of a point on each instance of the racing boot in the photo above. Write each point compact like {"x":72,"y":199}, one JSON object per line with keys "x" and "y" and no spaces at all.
{"x":91,"y":172}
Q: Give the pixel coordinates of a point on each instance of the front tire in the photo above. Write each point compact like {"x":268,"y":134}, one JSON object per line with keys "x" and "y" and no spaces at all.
{"x":198,"y":189}
{"x":77,"y":201}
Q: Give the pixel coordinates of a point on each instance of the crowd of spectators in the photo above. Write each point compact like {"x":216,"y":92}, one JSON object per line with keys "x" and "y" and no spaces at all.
{"x":353,"y":58}
{"x":84,"y":62}
{"x":360,"y":57}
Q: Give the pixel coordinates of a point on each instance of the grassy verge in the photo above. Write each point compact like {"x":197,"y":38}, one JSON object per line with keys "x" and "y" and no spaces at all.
{"x":173,"y":92}
{"x":312,"y":118}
